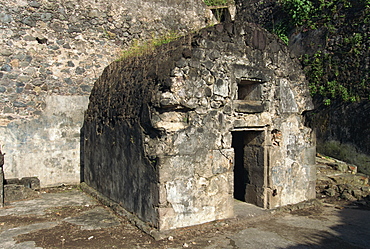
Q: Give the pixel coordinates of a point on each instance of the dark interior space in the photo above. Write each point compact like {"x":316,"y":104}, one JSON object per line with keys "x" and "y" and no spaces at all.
{"x":248,"y":166}
{"x":241,"y":177}
{"x":249,"y":90}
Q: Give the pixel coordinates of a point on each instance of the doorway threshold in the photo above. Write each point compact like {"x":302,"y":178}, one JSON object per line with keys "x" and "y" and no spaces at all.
{"x":247,"y":210}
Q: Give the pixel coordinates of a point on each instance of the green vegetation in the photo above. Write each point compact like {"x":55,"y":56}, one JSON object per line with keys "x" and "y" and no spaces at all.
{"x":310,"y":13}
{"x":216,"y":2}
{"x":300,"y":11}
{"x":138,"y":49}
{"x":338,"y":70}
{"x":326,"y":75}
{"x":281,"y":30}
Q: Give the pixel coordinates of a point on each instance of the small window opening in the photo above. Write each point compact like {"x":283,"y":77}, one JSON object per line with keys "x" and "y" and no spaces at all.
{"x":249,"y":90}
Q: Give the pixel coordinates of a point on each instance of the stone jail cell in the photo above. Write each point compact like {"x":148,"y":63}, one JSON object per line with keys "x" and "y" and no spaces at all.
{"x":175,"y":135}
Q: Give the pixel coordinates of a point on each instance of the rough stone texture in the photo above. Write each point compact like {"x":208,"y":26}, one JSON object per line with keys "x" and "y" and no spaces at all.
{"x":340,"y":180}
{"x":15,"y":192}
{"x":57,"y":49}
{"x":1,"y":187}
{"x":1,"y":179}
{"x":257,"y":11}
{"x":19,"y":189}
{"x":162,"y":131}
{"x":28,"y":182}
{"x":61,"y":47}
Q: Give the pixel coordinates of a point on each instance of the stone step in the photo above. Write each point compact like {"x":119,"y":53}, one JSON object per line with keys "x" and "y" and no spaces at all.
{"x":19,"y":189}
{"x":15,"y":192}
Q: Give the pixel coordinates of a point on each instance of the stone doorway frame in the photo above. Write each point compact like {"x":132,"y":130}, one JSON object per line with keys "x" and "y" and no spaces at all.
{"x":255,"y":191}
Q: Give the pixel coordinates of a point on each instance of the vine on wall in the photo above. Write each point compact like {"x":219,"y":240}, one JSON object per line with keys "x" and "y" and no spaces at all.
{"x":340,"y":69}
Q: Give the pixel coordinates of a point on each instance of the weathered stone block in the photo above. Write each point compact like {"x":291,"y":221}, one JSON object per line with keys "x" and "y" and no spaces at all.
{"x":286,"y":95}
{"x":14,"y":192}
{"x":182,"y":165}
{"x":221,"y":87}
{"x":249,"y":106}
{"x":347,"y":196}
{"x":330,"y":192}
{"x":171,"y":121}
{"x":222,"y":161}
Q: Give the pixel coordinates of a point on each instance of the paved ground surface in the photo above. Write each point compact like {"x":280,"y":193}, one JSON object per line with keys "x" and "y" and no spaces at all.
{"x":68,"y":218}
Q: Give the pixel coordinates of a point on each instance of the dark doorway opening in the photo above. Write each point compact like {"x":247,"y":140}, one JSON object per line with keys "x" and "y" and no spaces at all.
{"x":241,"y":176}
{"x":249,"y":166}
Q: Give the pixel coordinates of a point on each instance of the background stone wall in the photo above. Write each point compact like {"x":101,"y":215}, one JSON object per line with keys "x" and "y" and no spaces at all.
{"x":51,"y":54}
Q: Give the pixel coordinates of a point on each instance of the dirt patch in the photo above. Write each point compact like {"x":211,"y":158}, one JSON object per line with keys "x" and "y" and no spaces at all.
{"x":313,"y":211}
{"x":125,"y":235}
{"x":7,"y":222}
{"x":66,"y":211}
{"x":59,"y":189}
{"x":51,"y":215}
{"x":67,"y":235}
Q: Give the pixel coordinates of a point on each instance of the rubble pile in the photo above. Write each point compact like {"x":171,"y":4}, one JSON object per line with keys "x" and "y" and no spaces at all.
{"x":337,"y":180}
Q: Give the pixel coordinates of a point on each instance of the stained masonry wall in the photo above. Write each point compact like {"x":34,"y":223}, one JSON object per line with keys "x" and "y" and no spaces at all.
{"x":185,"y":103}
{"x":51,"y":54}
{"x":200,"y":109}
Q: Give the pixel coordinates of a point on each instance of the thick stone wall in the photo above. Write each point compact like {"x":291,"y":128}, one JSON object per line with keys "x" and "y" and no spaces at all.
{"x":51,"y":54}
{"x":179,"y":109}
{"x":114,"y":157}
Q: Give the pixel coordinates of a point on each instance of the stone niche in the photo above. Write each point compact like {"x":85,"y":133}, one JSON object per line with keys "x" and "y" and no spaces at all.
{"x":175,"y":135}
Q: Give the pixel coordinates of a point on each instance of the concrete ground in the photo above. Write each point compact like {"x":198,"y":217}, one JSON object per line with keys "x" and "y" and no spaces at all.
{"x":69,"y":218}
